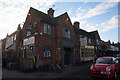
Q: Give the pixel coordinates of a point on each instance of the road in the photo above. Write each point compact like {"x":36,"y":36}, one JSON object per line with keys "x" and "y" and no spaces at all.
{"x":79,"y":71}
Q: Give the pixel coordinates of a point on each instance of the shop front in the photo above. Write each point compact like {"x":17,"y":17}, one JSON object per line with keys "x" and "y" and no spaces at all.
{"x":87,"y":53}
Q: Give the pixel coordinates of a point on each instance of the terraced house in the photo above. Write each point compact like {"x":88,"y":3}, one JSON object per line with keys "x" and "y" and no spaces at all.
{"x":97,"y":42}
{"x":87,"y":45}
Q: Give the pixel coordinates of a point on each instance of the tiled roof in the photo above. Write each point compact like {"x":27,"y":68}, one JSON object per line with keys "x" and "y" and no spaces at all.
{"x":95,"y":33}
{"x":45,"y":17}
{"x":61,"y":15}
{"x":83,"y":32}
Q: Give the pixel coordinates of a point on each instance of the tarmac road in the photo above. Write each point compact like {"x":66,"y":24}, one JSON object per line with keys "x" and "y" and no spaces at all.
{"x":80,"y":72}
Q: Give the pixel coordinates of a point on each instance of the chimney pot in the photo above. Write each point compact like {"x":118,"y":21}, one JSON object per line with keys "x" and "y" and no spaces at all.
{"x":76,"y":24}
{"x":19,"y":27}
{"x":51,"y":12}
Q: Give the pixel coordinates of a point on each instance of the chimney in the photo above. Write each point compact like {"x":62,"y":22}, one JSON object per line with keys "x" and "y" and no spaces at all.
{"x":51,"y":12}
{"x":76,"y":24}
{"x":7,"y":35}
{"x":19,"y":28}
{"x":109,"y":42}
{"x":113,"y":43}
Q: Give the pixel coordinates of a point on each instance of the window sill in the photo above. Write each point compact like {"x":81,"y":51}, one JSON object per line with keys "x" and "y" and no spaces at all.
{"x":46,"y":34}
{"x":47,"y":57}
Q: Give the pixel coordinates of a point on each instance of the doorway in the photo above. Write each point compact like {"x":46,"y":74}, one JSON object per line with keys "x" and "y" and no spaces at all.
{"x":68,"y":56}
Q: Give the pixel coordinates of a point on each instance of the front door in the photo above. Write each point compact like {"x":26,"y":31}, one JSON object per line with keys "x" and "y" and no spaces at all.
{"x":67,"y":56}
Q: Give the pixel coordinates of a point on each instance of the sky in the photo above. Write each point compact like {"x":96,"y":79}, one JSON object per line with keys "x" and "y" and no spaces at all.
{"x":92,"y":15}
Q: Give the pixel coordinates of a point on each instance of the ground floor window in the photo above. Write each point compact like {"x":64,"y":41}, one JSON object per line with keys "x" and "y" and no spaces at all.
{"x":82,"y":54}
{"x":47,"y":52}
{"x":87,"y":54}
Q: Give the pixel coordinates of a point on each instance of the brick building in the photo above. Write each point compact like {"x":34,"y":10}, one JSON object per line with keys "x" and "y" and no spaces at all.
{"x":3,"y":44}
{"x":109,"y":49}
{"x":48,"y":39}
{"x":97,"y":42}
{"x":87,"y":51}
{"x":10,"y":41}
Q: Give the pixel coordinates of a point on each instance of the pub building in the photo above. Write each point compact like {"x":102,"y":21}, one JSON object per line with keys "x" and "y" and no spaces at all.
{"x":44,"y":39}
{"x":48,"y":39}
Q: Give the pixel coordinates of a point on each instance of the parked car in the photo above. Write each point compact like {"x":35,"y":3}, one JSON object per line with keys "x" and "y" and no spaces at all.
{"x":104,"y":67}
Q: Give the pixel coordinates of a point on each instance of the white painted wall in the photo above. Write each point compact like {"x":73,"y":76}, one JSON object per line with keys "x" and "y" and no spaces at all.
{"x":83,"y":41}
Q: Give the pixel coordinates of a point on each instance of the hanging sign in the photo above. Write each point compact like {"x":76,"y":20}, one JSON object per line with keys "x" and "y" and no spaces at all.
{"x":28,"y":41}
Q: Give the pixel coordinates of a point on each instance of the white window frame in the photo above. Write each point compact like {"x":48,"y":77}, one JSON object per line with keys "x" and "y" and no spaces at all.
{"x":67,"y":33}
{"x":47,"y":28}
{"x":15,"y":37}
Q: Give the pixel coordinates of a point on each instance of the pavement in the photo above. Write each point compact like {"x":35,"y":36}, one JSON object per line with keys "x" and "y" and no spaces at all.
{"x":79,"y":71}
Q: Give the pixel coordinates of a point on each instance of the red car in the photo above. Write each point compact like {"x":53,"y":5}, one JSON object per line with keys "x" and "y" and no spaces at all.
{"x":104,"y":67}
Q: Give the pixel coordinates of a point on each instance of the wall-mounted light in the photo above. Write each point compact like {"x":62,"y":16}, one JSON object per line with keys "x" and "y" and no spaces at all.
{"x":58,"y":48}
{"x":36,"y":33}
{"x":29,"y":14}
{"x":67,"y":20}
{"x":41,"y":33}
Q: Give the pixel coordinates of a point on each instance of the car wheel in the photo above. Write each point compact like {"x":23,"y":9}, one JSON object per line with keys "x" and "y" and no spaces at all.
{"x":115,"y":75}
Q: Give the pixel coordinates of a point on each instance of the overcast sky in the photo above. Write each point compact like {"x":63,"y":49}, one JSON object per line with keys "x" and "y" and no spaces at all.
{"x":101,"y":16}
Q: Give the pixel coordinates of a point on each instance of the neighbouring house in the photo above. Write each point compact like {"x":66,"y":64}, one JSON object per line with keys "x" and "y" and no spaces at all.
{"x":114,"y":49}
{"x":116,"y":46}
{"x":9,"y":49}
{"x":10,"y":43}
{"x":3,"y":45}
{"x":109,"y":49}
{"x":98,"y":43}
{"x":87,"y":46}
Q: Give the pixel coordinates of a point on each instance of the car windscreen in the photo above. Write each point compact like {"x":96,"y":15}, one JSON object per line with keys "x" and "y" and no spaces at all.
{"x":104,"y":61}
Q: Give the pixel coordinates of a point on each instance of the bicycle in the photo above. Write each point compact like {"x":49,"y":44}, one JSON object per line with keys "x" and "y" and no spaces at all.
{"x":55,"y":67}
